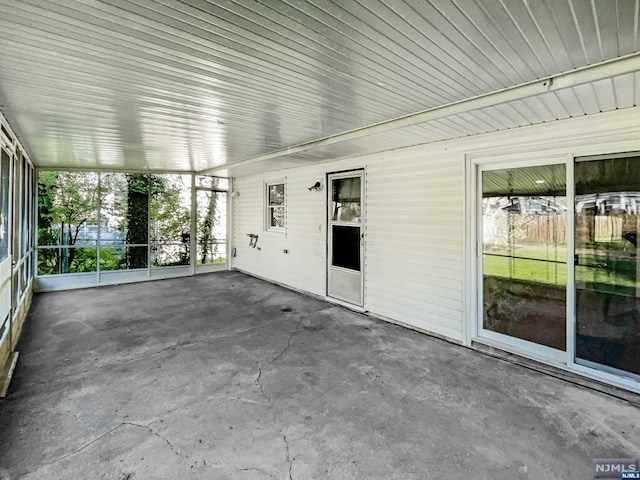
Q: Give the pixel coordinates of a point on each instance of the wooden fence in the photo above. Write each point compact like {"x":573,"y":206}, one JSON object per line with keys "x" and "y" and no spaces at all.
{"x":553,"y":228}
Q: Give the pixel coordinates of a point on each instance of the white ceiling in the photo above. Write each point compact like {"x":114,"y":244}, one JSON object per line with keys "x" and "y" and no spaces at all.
{"x":195,"y":85}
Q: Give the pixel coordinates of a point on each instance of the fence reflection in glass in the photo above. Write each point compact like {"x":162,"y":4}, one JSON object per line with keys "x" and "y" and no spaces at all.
{"x":607,"y":207}
{"x":525,"y":253}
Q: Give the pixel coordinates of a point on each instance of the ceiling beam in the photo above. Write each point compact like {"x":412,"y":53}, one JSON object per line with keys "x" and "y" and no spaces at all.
{"x":592,"y":73}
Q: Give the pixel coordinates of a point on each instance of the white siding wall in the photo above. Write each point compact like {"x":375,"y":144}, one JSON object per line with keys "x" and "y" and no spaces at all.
{"x":415,"y":269}
{"x":415,"y":231}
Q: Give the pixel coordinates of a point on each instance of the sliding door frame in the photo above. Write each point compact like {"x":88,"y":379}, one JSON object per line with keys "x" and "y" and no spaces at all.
{"x":596,"y":371}
{"x":500,"y":340}
{"x":475,"y":165}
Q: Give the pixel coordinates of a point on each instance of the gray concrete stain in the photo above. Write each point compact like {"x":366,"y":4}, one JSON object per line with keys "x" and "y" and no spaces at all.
{"x":225,"y":376}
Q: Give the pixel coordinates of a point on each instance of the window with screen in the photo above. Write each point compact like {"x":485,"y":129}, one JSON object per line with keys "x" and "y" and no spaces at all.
{"x":4,"y":206}
{"x":276,"y":206}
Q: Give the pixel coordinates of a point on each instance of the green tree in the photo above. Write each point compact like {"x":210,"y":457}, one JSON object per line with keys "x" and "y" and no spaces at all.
{"x":206,"y":227}
{"x":170,"y":221}
{"x":138,"y":189}
{"x":128,"y":205}
{"x":67,"y":203}
{"x":209,"y":217}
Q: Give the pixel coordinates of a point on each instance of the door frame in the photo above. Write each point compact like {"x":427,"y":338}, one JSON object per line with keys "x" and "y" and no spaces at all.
{"x":7,"y":268}
{"x":210,"y":267}
{"x":473,"y":257}
{"x":361,"y":172}
{"x":592,"y":369}
{"x":499,"y":340}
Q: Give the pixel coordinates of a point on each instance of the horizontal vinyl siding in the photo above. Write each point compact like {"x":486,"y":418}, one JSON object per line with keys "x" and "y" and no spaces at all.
{"x":414,"y":230}
{"x":414,"y":250}
{"x":304,"y":266}
{"x":415,"y":214}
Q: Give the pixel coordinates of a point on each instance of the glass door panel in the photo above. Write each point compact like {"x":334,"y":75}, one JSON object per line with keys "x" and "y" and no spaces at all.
{"x":346,"y":204}
{"x":212,"y":227}
{"x":346,"y":251}
{"x":345,"y":278}
{"x":524,"y":254}
{"x":607,"y":271}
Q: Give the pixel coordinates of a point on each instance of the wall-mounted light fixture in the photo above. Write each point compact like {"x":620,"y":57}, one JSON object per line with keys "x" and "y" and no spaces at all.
{"x":316,"y":186}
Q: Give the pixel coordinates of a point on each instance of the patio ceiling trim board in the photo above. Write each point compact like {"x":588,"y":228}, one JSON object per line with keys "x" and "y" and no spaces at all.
{"x":592,"y":73}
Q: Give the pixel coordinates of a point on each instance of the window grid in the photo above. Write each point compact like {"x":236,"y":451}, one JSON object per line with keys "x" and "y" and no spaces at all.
{"x":276,"y":206}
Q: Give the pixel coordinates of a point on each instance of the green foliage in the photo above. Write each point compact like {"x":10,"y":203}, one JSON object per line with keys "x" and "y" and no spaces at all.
{"x":210,"y":210}
{"x":170,"y":222}
{"x":599,"y":272}
{"x":67,"y":203}
{"x":136,"y":209}
{"x":67,"y":260}
{"x":138,"y":190}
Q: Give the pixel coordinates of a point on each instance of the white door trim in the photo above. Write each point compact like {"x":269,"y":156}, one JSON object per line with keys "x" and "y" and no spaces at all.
{"x":331,"y":176}
{"x":473,"y":255}
{"x":477,"y":332}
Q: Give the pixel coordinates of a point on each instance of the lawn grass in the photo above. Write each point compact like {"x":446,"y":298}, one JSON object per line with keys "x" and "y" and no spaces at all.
{"x":525,"y":269}
{"x":595,"y":272}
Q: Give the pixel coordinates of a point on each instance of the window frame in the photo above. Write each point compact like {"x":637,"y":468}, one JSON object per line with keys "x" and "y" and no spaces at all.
{"x":268,"y":206}
{"x":7,"y":205}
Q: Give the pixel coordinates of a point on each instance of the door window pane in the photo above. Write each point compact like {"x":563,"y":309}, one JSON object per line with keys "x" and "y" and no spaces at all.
{"x":607,"y":268}
{"x":170,"y":255}
{"x":170,"y":221}
{"x":524,"y":253}
{"x":214,"y":183}
{"x":212,"y":226}
{"x":346,"y":202}
{"x":345,"y":247}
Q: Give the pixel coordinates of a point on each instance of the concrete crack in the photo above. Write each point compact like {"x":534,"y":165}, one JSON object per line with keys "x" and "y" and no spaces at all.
{"x":70,"y":454}
{"x":100,"y":437}
{"x":254,"y":469}
{"x":277,"y":357}
{"x":289,"y":460}
{"x":166,"y":440}
{"x":270,"y":401}
{"x":28,"y":388}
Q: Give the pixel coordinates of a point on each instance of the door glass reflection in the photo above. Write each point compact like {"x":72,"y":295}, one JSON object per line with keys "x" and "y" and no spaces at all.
{"x":346,"y":204}
{"x":524,"y":253}
{"x":607,"y":270}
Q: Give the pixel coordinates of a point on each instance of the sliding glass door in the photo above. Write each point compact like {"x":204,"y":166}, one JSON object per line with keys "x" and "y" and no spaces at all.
{"x":607,"y":266}
{"x":558,"y":262}
{"x":524,"y":256}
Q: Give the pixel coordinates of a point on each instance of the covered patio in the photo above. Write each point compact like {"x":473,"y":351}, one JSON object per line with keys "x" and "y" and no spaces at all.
{"x":226,"y":376}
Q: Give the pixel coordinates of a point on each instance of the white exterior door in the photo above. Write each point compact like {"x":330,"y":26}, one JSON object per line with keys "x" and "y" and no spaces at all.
{"x":345,"y":237}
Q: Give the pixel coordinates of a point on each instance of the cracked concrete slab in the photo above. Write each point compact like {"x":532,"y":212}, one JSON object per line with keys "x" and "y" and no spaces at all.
{"x":226,"y":376}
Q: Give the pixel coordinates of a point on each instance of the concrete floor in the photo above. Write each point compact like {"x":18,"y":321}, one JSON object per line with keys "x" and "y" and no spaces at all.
{"x":223,"y":376}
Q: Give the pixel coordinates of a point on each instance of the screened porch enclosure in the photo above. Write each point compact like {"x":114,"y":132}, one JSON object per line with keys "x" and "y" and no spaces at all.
{"x":117,"y":226}
{"x":148,"y":139}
